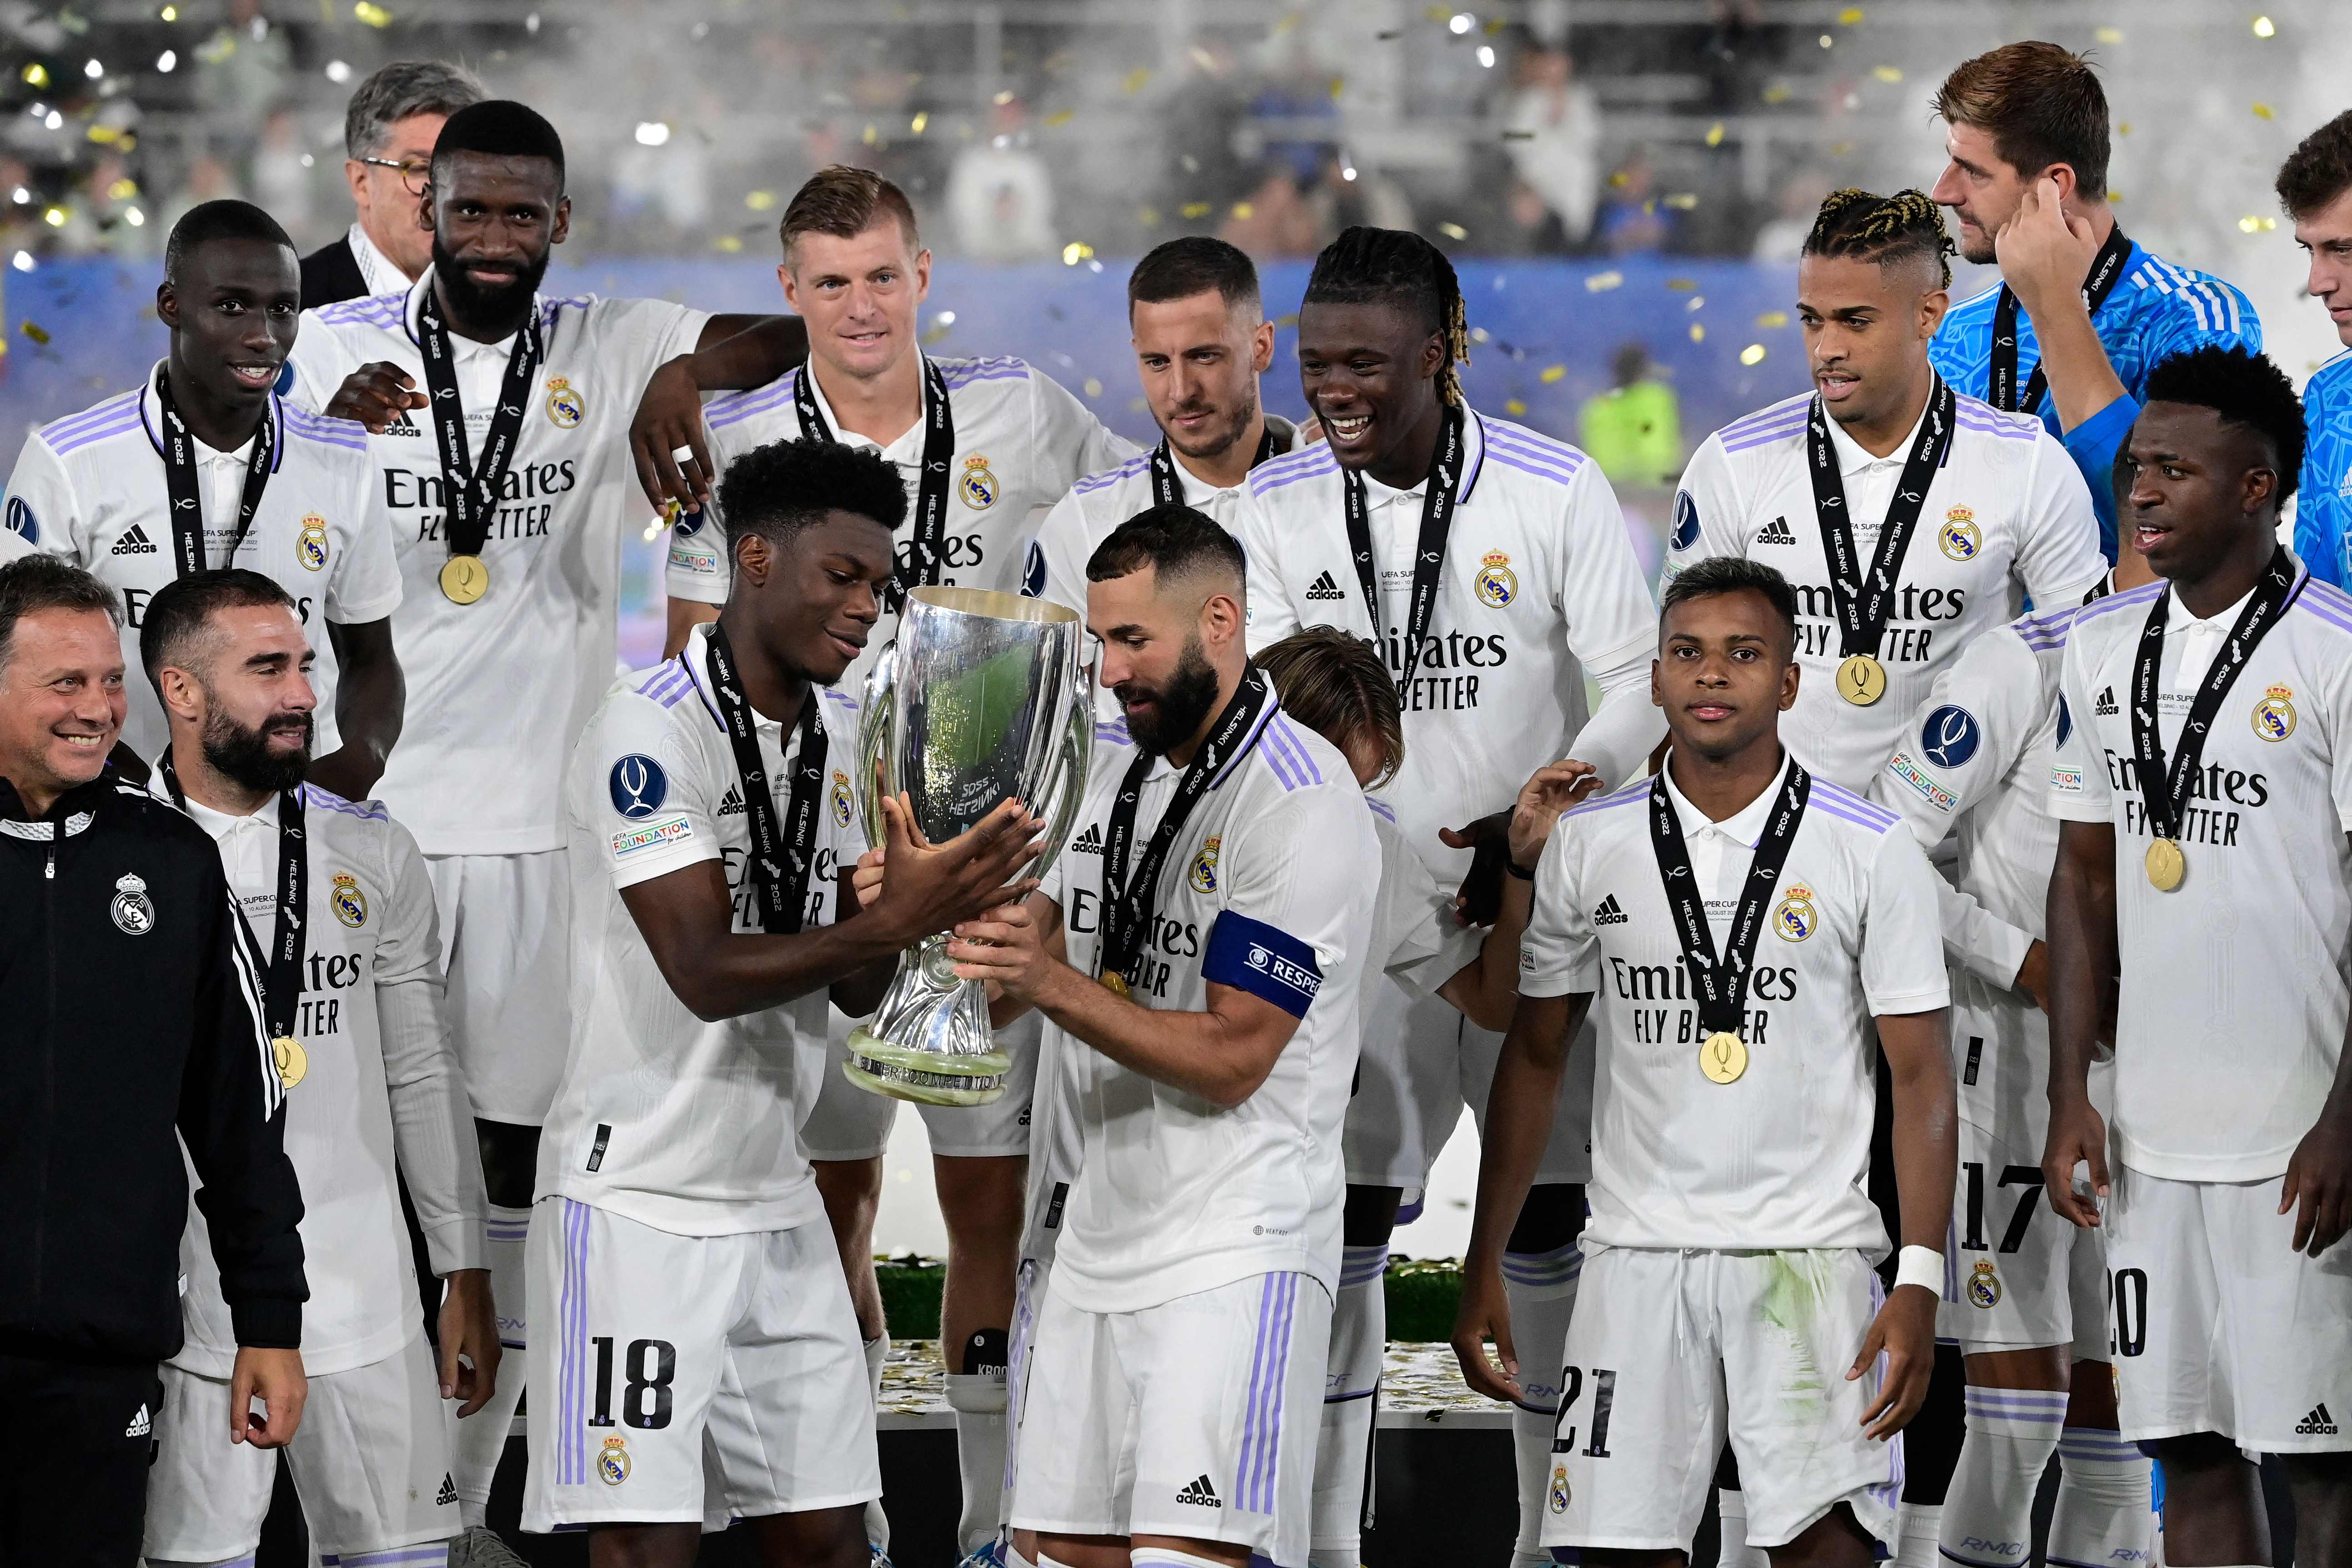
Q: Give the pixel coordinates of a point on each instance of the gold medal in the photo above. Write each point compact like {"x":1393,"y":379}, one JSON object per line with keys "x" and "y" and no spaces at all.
{"x":2166,"y":865}
{"x":1115,"y":983}
{"x":1860,"y":681}
{"x":464,"y":579}
{"x":1723,"y":1058}
{"x":292,"y":1061}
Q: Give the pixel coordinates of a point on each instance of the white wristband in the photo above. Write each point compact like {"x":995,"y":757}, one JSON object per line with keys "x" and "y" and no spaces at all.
{"x":1921,"y":1265}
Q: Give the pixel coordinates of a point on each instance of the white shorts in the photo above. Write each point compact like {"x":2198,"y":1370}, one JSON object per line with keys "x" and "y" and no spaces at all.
{"x":1196,"y":1418}
{"x":691,"y":1378}
{"x":506,"y":945}
{"x":2016,"y":1275}
{"x":1420,"y":1063}
{"x":1671,"y":1351}
{"x":2218,"y":1326}
{"x":847,"y":1123}
{"x":370,"y":1461}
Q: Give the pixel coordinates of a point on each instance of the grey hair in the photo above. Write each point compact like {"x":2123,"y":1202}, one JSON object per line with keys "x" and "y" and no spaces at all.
{"x":394,"y":92}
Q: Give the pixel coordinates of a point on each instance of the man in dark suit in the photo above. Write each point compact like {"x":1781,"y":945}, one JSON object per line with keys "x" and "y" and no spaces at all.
{"x":388,"y":136}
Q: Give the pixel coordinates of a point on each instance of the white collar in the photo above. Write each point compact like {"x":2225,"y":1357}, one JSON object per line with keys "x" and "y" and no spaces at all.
{"x":150,"y":414}
{"x":910,"y":437}
{"x":380,"y":272}
{"x":1745,"y":826}
{"x":1853,"y":458}
{"x":2177,"y":619}
{"x":1474,"y":462}
{"x":221,"y":823}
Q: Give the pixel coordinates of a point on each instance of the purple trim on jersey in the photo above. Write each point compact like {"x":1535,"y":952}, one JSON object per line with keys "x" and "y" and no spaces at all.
{"x":702,"y":692}
{"x":575,"y":1368}
{"x":1281,"y":739}
{"x":1770,"y":414}
{"x":670,"y":687}
{"x":374,"y":309}
{"x":91,"y":436}
{"x":328,"y":800}
{"x":298,"y":421}
{"x":1511,"y":459}
{"x":1888,"y":1494}
{"x":843,"y":698}
{"x":1241,"y":753}
{"x":1110,"y":476}
{"x":1381,"y":808}
{"x":1763,"y":436}
{"x":1291,"y":467}
{"x":1839,"y":801}
{"x":1114,"y":730}
{"x":2145,"y":594}
{"x":1624,"y":794}
{"x":1533,"y":444}
{"x":1255,"y":1469}
{"x":2327,"y":601}
{"x":2046,"y":632}
{"x":737,"y":407}
{"x":97,"y":414}
{"x":1985,"y":419}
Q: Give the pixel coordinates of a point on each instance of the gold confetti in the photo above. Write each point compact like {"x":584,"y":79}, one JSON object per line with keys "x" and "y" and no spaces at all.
{"x":1888,"y":74}
{"x":1092,"y":387}
{"x":1243,"y":211}
{"x":2263,"y":27}
{"x":1683,"y":201}
{"x":1437,"y":13}
{"x":1339,"y":86}
{"x":1552,"y":372}
{"x":759,"y":201}
{"x":1715,"y":134}
{"x":1496,"y":29}
{"x":2109,"y":35}
{"x":2122,"y":127}
{"x":1514,"y":407}
{"x":1148,"y":216}
{"x":1752,"y":354}
{"x":1773,"y":318}
{"x":55,"y":217}
{"x":35,"y":74}
{"x":1194,"y":209}
{"x":170,"y":13}
{"x":1077,"y":250}
{"x":123,"y":190}
{"x":34,"y":331}
{"x":2256,"y":224}
{"x":374,"y":16}
{"x":1698,"y":332}
{"x":2263,"y":111}
{"x":1779,"y":92}
{"x":1601,"y":281}
{"x":1682,"y":285}
{"x":1135,"y":80}
{"x":2114,"y":197}
{"x":1518,"y":135}
{"x":1060,"y":117}
{"x":104,"y":135}
{"x":915,"y":127}
{"x":1284,"y":323}
{"x":1620,"y":180}
{"x":731,"y":243}
{"x":1851,"y":16}
{"x":1452,"y":231}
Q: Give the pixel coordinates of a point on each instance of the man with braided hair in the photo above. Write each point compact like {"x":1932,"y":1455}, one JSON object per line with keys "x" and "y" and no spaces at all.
{"x":1910,"y":519}
{"x":1489,"y":566}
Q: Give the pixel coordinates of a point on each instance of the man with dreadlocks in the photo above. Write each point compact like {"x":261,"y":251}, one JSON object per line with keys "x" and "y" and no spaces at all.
{"x":1490,"y":567}
{"x":1830,"y":490}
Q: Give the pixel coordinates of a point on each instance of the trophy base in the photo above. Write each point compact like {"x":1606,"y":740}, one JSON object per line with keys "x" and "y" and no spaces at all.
{"x":927,"y":1078}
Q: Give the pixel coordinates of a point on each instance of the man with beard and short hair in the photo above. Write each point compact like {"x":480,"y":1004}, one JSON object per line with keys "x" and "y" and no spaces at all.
{"x":389,"y":128}
{"x":508,"y":493}
{"x":203,"y":466}
{"x":353,"y":997}
{"x":2026,"y":178}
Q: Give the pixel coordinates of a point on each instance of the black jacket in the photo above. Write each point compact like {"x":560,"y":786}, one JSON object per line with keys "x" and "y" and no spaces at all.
{"x":129,"y":1003}
{"x":330,"y":274}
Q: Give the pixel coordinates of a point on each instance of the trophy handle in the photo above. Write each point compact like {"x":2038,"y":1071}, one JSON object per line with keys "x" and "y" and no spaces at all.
{"x":874,"y":731}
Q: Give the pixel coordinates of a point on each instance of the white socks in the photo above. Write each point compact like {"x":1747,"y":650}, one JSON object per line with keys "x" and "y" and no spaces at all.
{"x":1917,"y":1527}
{"x":1542,"y":1289}
{"x":1359,"y":1332}
{"x":978,"y":1400}
{"x":877,"y":1523}
{"x":2103,"y":1518}
{"x":429,"y":1554}
{"x":1734,"y":1550}
{"x":480,"y":1440}
{"x":1989,"y":1511}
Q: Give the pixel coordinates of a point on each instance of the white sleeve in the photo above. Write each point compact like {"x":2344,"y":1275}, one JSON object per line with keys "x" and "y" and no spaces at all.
{"x":42,"y":488}
{"x":1060,"y":567}
{"x":2339,"y":769}
{"x":1707,"y":517}
{"x":637,"y":337}
{"x":1612,"y":629}
{"x":1902,"y":936}
{"x":1298,"y":908}
{"x":1267,"y":610}
{"x":1559,"y":955}
{"x":698,"y":567}
{"x":432,"y":1122}
{"x":1418,"y":942}
{"x":2078,"y":775}
{"x":2058,"y":558}
{"x":651,"y":811}
{"x":1978,"y":939}
{"x":321,"y":362}
{"x":366,"y":586}
{"x":1067,"y":441}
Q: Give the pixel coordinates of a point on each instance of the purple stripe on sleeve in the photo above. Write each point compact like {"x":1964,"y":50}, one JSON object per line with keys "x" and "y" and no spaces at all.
{"x":1552,"y":452}
{"x":1298,"y":752}
{"x":1508,"y":458}
{"x":113,"y":408}
{"x":76,"y":442}
{"x":1761,"y":437}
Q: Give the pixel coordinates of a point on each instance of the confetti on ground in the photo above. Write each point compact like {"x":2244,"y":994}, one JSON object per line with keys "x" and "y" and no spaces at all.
{"x":1888,"y":74}
{"x":2263,"y":112}
{"x":1773,"y":318}
{"x":1715,"y":134}
{"x":372,"y":14}
{"x":1452,"y":231}
{"x":1514,"y":407}
{"x":1752,"y":354}
{"x":1601,"y":282}
{"x":1552,"y":372}
{"x":34,"y":331}
{"x":1698,"y":332}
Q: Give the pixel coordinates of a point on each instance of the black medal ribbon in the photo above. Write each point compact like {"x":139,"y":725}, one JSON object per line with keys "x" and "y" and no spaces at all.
{"x":281,"y":993}
{"x":1126,"y":899}
{"x":470,"y":494}
{"x":188,"y":497}
{"x":782,"y":854}
{"x":1169,"y":490}
{"x":2000,"y":374}
{"x":2165,"y":791}
{"x":1721,"y":986}
{"x":921,"y":568}
{"x":1863,"y":604}
{"x":1438,"y":500}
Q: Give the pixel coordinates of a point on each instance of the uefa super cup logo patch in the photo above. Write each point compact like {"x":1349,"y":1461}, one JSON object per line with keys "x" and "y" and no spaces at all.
{"x":1795,"y":918}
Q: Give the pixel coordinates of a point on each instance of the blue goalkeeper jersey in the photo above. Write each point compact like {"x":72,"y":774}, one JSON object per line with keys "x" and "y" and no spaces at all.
{"x":2323,"y":494}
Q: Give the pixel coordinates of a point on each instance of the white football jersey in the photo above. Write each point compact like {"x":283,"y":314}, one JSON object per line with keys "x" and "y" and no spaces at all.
{"x":2231,"y":1009}
{"x":1262,"y":892}
{"x":1021,"y":441}
{"x":378,"y":1080}
{"x":2007,"y":515}
{"x":498,"y":690}
{"x":1538,"y":585}
{"x":1780,"y":1157}
{"x":91,"y":489}
{"x":687,"y":1126}
{"x":1416,"y":940}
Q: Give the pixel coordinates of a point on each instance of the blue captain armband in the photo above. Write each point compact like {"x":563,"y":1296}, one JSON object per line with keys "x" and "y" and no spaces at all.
{"x":1250,"y":955}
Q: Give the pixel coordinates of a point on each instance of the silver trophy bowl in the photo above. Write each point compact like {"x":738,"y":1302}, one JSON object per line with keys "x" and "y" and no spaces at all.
{"x":981,"y":697}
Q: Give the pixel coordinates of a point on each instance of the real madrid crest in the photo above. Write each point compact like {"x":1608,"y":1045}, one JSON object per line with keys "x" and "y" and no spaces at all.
{"x":133,"y":914}
{"x":1559,"y":1489}
{"x":978,"y":486}
{"x":2274,"y":714}
{"x":349,"y":902}
{"x":1497,"y":584}
{"x":612,"y":1463}
{"x":840,"y":798}
{"x":1984,"y":1284}
{"x":1959,"y":537}
{"x":565,"y":406}
{"x":1795,"y":916}
{"x":311,"y":548}
{"x":1204,"y":868}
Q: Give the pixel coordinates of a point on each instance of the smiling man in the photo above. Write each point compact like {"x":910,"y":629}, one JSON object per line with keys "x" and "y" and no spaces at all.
{"x":203,"y":466}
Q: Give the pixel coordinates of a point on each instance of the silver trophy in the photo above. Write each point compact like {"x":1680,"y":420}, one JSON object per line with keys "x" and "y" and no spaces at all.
{"x":981,"y":697}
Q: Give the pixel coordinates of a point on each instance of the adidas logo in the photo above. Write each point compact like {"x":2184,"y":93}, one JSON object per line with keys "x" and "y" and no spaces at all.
{"x":402,"y":426}
{"x":134,"y":543}
{"x":1087,"y":842}
{"x":448,"y":1493}
{"x":141,"y":1425}
{"x":2318,"y":1424}
{"x":1609,"y":914}
{"x":1776,"y":531}
{"x":1199,"y":1494}
{"x":2103,"y":705}
{"x":1324,"y":588}
{"x":733,"y":805}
